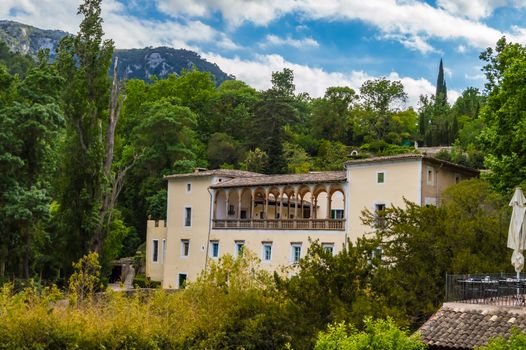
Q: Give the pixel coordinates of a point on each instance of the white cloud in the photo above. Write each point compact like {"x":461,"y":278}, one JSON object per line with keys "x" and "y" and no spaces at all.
{"x":127,"y":31}
{"x":235,"y":12}
{"x":478,"y":76}
{"x":448,"y":71}
{"x":315,"y":81}
{"x":411,"y":18}
{"x":461,"y":48}
{"x":273,"y":40}
{"x":412,"y":42}
{"x":475,"y":9}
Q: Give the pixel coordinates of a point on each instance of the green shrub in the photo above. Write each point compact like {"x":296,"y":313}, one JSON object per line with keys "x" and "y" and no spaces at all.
{"x":378,"y":335}
{"x":517,"y":341}
{"x":141,"y":281}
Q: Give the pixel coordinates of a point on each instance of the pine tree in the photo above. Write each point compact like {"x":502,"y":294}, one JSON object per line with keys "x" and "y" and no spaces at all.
{"x":441,"y":90}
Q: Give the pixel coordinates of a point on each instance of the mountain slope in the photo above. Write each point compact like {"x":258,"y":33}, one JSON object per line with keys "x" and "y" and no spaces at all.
{"x":133,"y":63}
{"x":161,"y":61}
{"x":27,"y":39}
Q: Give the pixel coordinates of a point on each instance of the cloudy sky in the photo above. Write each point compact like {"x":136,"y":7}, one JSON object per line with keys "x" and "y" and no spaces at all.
{"x":325,"y":42}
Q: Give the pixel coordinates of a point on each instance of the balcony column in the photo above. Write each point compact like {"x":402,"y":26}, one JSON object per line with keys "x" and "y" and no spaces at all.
{"x":288,"y":205}
{"x":296,"y":195}
{"x":311,"y":216}
{"x":238,"y":214}
{"x":302,"y":213}
{"x":239,"y":193}
{"x":281,"y":203}
{"x":227,"y":202}
{"x":265,"y":212}
{"x":329,"y":200}
{"x":252,"y":202}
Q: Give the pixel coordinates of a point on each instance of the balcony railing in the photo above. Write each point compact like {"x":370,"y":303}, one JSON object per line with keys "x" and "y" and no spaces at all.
{"x":492,"y":289}
{"x":285,"y":224}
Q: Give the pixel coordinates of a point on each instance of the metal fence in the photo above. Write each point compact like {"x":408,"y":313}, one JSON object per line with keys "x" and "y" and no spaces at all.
{"x":501,"y":289}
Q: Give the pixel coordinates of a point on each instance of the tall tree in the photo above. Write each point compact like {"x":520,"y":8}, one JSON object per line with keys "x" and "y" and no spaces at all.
{"x":84,"y":60}
{"x":381,"y":98}
{"x":275,"y":110}
{"x":441,"y":88}
{"x":503,"y":114}
{"x":30,"y":124}
{"x":331,"y":114}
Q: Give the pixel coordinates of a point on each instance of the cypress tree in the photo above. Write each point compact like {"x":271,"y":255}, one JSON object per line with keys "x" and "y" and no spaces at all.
{"x":441,"y":90}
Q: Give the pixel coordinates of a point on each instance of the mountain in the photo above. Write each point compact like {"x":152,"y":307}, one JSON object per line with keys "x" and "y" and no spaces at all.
{"x":27,"y":39}
{"x":161,"y":61}
{"x":133,"y":63}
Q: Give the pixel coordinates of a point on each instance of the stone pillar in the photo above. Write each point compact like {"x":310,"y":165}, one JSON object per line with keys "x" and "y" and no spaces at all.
{"x":329,"y":201}
{"x":265,"y":211}
{"x":301,"y":207}
{"x":239,"y":193}
{"x":311,"y":189}
{"x":227,"y":202}
{"x":280,"y":203}
{"x":252,"y":202}
{"x":296,"y":195}
{"x":288,"y":205}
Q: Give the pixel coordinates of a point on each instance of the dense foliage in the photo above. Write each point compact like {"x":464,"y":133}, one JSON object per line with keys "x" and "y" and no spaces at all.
{"x":398,"y":271}
{"x":378,"y":335}
{"x":517,"y":341}
{"x":245,"y":314}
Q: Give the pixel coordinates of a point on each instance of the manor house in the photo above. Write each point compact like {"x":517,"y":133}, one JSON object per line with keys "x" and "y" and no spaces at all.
{"x":211,"y":213}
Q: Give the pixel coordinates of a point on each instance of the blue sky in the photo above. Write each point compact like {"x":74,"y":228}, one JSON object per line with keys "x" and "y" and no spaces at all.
{"x":325,"y":42}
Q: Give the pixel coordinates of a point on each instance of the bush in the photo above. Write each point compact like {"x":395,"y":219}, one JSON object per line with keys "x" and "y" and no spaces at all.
{"x":141,"y":281}
{"x":232,"y":306}
{"x":378,"y":335}
{"x":517,"y":341}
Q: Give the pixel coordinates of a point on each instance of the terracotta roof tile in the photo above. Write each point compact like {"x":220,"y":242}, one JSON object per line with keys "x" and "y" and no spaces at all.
{"x":309,"y":178}
{"x":466,"y":326}
{"x":408,"y":156}
{"x":217,"y":172}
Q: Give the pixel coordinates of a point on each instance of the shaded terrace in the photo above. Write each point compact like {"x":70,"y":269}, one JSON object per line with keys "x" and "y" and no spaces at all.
{"x":313,"y":201}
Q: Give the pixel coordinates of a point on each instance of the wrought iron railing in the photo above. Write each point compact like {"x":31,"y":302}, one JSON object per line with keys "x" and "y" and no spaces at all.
{"x":501,"y":289}
{"x":277,"y":224}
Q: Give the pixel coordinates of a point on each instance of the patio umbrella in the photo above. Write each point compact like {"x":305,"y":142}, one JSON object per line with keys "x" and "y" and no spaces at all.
{"x":517,"y":230}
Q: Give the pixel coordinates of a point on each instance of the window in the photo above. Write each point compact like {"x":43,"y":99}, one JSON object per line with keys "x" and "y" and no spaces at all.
{"x":188,"y":187}
{"x":296,"y":252}
{"x":214,"y":249}
{"x":380,"y":177}
{"x":185,"y":247}
{"x":379,"y":209}
{"x":155,"y":250}
{"x":182,"y":280}
{"x":243,"y":214}
{"x":430,"y":176}
{"x":238,"y":248}
{"x":187,"y":217}
{"x":430,"y":201}
{"x":377,"y":253}
{"x":164,"y":250}
{"x":267,"y":252}
{"x":337,"y":213}
{"x":328,"y":247}
{"x":231,"y":210}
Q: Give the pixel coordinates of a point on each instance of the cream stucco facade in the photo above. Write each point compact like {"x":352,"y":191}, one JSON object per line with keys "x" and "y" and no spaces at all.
{"x":216,"y":212}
